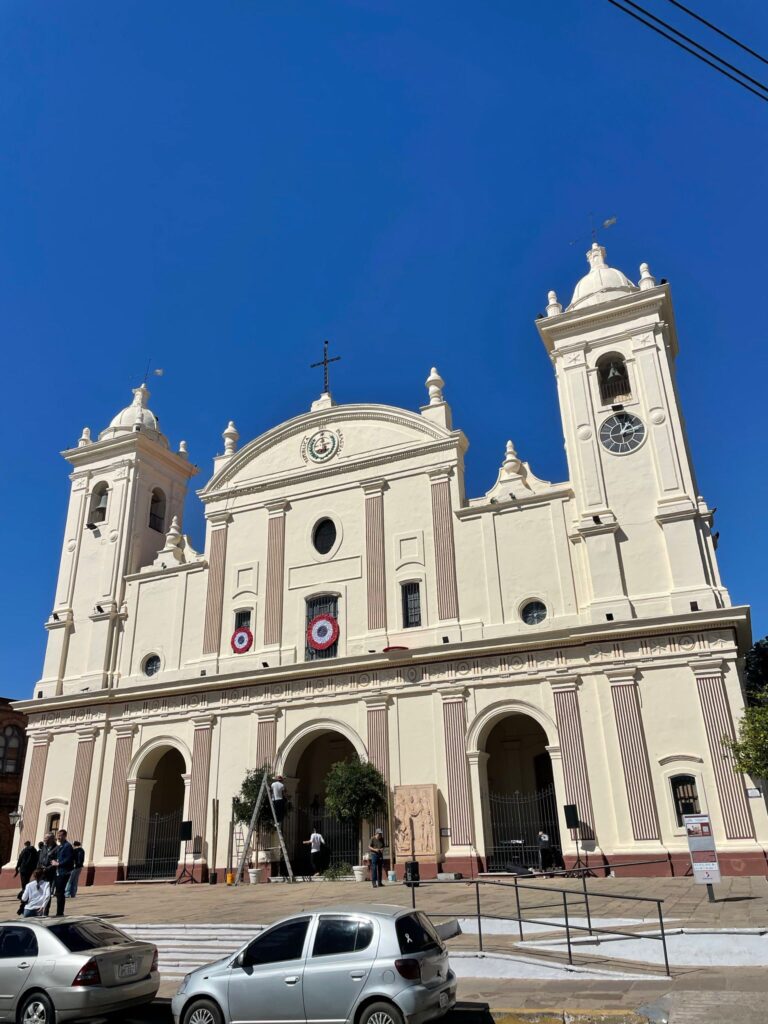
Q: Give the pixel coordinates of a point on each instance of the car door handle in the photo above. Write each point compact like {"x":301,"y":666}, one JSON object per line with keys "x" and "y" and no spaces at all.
{"x":23,"y":966}
{"x":357,"y":975}
{"x":291,"y":979}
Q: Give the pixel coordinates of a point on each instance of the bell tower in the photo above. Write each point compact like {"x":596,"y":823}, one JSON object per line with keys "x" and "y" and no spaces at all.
{"x":643,"y":534}
{"x":126,"y":488}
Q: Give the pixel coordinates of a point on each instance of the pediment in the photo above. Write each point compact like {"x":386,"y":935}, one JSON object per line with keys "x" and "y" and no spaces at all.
{"x":329,"y":441}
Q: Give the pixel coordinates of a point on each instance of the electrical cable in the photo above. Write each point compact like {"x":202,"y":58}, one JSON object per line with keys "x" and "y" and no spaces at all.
{"x":682,"y":46}
{"x":719,"y":31}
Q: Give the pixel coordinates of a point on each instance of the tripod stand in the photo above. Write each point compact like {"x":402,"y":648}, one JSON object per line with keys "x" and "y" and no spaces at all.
{"x":185,"y":875}
{"x":580,"y":868}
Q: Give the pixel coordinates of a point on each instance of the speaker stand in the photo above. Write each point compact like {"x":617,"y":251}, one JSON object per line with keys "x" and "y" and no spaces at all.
{"x":580,"y":868}
{"x":185,"y":875}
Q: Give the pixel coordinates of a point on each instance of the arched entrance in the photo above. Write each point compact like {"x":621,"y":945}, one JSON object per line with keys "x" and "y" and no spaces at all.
{"x":157,"y":815}
{"x":521,"y":796}
{"x":306,"y":765}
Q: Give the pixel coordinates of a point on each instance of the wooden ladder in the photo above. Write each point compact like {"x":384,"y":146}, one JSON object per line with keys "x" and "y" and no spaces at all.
{"x":265,"y":793}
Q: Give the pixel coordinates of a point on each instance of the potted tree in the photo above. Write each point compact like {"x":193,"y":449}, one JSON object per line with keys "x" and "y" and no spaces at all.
{"x":355,"y":791}
{"x":242,"y":811}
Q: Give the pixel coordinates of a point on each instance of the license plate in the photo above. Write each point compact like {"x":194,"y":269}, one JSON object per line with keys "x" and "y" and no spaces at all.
{"x":127,"y":970}
{"x":444,"y":1000}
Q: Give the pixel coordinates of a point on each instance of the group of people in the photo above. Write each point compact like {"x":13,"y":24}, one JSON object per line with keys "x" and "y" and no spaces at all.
{"x":51,"y":869}
{"x":376,"y":849}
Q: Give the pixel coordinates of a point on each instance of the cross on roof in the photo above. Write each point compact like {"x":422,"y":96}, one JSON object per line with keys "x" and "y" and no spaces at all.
{"x":324,"y":363}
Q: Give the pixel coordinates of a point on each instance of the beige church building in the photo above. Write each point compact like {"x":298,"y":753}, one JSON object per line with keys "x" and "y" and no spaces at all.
{"x":497,"y":656}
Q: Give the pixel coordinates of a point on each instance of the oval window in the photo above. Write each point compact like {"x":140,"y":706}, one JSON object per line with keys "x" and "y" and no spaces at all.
{"x":324,"y":536}
{"x":152,"y":665}
{"x":533,"y":613}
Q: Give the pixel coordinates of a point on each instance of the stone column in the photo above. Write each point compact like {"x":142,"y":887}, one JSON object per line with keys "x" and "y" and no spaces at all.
{"x":478,"y":781}
{"x":266,"y":736}
{"x":575,"y":775}
{"x":455,"y":729}
{"x":198,"y":795}
{"x":718,"y":723}
{"x":217,"y":560}
{"x":138,"y":790}
{"x":643,"y":814}
{"x":81,"y":783}
{"x":374,"y":554}
{"x":39,"y":742}
{"x":445,"y":551}
{"x":275,"y":582}
{"x":118,"y":796}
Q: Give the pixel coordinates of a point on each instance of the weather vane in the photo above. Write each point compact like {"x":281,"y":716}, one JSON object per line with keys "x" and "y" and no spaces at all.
{"x":324,"y":363}
{"x":607,"y":223}
{"x":155,"y":373}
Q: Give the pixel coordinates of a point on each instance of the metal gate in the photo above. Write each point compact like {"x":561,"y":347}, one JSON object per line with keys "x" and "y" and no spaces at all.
{"x":341,"y":837}
{"x":155,"y":846}
{"x":515,"y":823}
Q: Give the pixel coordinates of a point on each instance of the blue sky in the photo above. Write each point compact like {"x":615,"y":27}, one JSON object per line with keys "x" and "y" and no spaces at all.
{"x":220,"y":186}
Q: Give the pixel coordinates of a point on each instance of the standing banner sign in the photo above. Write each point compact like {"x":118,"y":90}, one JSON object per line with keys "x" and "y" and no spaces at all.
{"x":701,"y":844}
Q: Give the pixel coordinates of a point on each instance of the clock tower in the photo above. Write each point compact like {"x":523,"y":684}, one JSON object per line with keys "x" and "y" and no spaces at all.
{"x":642,"y":532}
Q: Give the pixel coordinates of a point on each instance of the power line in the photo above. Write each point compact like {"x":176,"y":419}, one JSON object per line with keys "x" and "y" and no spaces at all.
{"x":682,"y":46}
{"x":719,"y":31}
{"x":693,"y":42}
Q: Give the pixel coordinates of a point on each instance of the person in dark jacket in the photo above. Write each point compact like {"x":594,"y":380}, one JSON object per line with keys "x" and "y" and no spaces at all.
{"x":45,"y":854}
{"x":25,"y":868}
{"x":64,"y":861}
{"x":71,"y":890}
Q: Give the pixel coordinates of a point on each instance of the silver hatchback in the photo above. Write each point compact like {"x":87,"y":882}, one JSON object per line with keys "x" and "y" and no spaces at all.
{"x":72,"y":968}
{"x":366,"y":964}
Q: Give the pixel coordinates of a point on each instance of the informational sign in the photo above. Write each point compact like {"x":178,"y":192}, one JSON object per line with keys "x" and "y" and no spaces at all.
{"x":701,"y":844}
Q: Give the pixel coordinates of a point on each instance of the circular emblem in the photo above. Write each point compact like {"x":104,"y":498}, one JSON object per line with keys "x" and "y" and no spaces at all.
{"x":242,"y":640}
{"x":321,"y":446}
{"x":322,"y":632}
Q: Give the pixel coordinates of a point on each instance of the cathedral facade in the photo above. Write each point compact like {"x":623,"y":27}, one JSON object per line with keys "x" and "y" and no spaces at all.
{"x":497,"y":657}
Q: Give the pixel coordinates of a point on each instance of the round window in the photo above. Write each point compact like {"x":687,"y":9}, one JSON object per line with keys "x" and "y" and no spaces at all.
{"x":324,"y":536}
{"x":533,"y":613}
{"x":152,"y":665}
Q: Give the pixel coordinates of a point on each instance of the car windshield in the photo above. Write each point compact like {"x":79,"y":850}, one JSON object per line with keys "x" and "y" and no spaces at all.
{"x":416,"y":934}
{"x":82,"y":935}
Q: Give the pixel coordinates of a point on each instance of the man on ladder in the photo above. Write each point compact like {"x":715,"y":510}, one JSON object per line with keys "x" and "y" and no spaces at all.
{"x":275,"y":795}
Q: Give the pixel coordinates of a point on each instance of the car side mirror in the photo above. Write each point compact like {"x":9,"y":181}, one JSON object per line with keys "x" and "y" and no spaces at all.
{"x":240,"y":958}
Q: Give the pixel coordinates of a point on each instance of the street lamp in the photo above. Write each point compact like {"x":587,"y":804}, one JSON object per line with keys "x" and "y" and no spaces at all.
{"x":15,"y":816}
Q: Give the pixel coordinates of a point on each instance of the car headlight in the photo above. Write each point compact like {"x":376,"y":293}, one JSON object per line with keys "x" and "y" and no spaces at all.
{"x":183,"y":986}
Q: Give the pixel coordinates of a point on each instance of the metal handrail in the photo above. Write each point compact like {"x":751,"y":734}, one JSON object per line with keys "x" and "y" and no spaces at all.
{"x":583,"y":895}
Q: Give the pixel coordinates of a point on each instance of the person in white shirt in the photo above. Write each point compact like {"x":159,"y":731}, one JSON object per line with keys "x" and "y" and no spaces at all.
{"x":278,"y":798}
{"x":36,"y":895}
{"x":315,"y":844}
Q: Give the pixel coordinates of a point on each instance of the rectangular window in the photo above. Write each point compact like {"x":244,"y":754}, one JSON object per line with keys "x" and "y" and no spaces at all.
{"x":685,"y":796}
{"x":323,"y":604}
{"x":243,"y":620}
{"x":411,"y":605}
{"x":416,"y":934}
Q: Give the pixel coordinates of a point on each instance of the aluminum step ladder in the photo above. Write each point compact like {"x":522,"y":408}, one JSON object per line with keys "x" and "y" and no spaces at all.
{"x":265,"y":793}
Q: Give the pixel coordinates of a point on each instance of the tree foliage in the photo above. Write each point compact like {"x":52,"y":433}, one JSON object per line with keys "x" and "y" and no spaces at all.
{"x":751,"y":748}
{"x":355,"y":791}
{"x":244,"y":803}
{"x":756,"y":672}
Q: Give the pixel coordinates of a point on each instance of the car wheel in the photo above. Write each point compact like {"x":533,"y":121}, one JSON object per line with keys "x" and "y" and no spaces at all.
{"x":202,"y":1011}
{"x":381,"y":1013}
{"x":37,"y":1008}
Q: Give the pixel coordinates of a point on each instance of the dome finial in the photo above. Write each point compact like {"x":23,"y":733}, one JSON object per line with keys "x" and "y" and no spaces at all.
{"x":434,"y":385}
{"x":231,"y":437}
{"x":596,"y":256}
{"x":553,"y":306}
{"x":647,"y":280}
{"x":85,"y":438}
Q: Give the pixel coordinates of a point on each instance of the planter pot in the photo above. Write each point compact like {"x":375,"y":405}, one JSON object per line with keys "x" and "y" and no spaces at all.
{"x":359,"y":871}
{"x":254,"y":875}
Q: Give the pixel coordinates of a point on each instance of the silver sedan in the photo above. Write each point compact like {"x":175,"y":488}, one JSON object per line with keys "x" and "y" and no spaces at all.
{"x":73,"y":968}
{"x":368,"y":964}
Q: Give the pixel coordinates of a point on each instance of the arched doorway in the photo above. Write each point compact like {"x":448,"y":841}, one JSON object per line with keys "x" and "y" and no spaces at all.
{"x":521,"y":796}
{"x":306,"y":766}
{"x":157,"y":815}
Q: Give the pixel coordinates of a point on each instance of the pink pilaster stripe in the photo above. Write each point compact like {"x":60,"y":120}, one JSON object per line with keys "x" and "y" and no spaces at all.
{"x":215,"y":594}
{"x":574,"y":759}
{"x":634,"y":758}
{"x":198,"y":796}
{"x":118,"y":797}
{"x":266,"y":741}
{"x":374,"y":561}
{"x":81,"y":785}
{"x":730,"y":784}
{"x":34,"y":793}
{"x":445,"y":552}
{"x":454,"y":725}
{"x":273,"y":609}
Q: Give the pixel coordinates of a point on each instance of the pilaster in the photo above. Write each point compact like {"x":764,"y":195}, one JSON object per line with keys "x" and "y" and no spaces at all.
{"x":374,"y":554}
{"x":215,"y":595}
{"x":565,"y":690}
{"x":643,"y":813}
{"x":455,"y":729}
{"x":275,"y":581}
{"x":445,"y":550}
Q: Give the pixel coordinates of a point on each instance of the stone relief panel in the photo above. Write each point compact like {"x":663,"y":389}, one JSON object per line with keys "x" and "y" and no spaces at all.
{"x":416,"y":822}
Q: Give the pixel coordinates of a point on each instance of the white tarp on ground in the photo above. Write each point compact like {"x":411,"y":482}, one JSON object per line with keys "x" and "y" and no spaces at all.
{"x":501,"y":965}
{"x":494,"y":926}
{"x":684,"y":948}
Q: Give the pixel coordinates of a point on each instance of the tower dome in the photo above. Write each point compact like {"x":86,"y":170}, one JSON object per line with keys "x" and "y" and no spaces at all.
{"x":602,"y":283}
{"x":135,"y":418}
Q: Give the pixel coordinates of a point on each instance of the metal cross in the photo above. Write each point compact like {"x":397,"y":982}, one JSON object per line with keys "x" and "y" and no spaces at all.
{"x":324,"y":363}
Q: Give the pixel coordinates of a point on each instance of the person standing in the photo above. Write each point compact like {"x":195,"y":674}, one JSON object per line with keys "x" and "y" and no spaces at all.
{"x":71,"y":890}
{"x":315,"y":844}
{"x":545,"y":851}
{"x":46,"y":853}
{"x":376,"y":851}
{"x":25,"y":866}
{"x":63,"y":860}
{"x":278,"y":798}
{"x":36,"y":895}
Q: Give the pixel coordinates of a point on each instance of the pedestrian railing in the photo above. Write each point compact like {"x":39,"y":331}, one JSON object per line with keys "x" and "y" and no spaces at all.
{"x":566,"y":900}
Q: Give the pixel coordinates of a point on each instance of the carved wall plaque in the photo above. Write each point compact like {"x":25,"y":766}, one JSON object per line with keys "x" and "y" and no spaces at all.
{"x":416,"y":823}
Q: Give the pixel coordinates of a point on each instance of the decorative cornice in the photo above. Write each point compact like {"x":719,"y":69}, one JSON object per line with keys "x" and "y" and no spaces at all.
{"x":204,"y":721}
{"x":377,"y":701}
{"x":268,"y":714}
{"x":373,"y":488}
{"x":440,"y":473}
{"x":708,"y":667}
{"x":277,"y":507}
{"x":566,"y":681}
{"x":124,"y":729}
{"x":455,"y":694}
{"x":219,"y":518}
{"x":672,"y":758}
{"x":88,"y":733}
{"x":622,"y":676}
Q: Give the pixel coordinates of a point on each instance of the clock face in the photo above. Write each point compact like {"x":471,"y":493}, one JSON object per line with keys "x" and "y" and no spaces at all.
{"x":622,"y":433}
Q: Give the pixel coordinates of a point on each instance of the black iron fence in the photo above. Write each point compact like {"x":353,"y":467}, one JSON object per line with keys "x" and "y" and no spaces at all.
{"x":516,"y":821}
{"x":154,"y":847}
{"x":342,"y":840}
